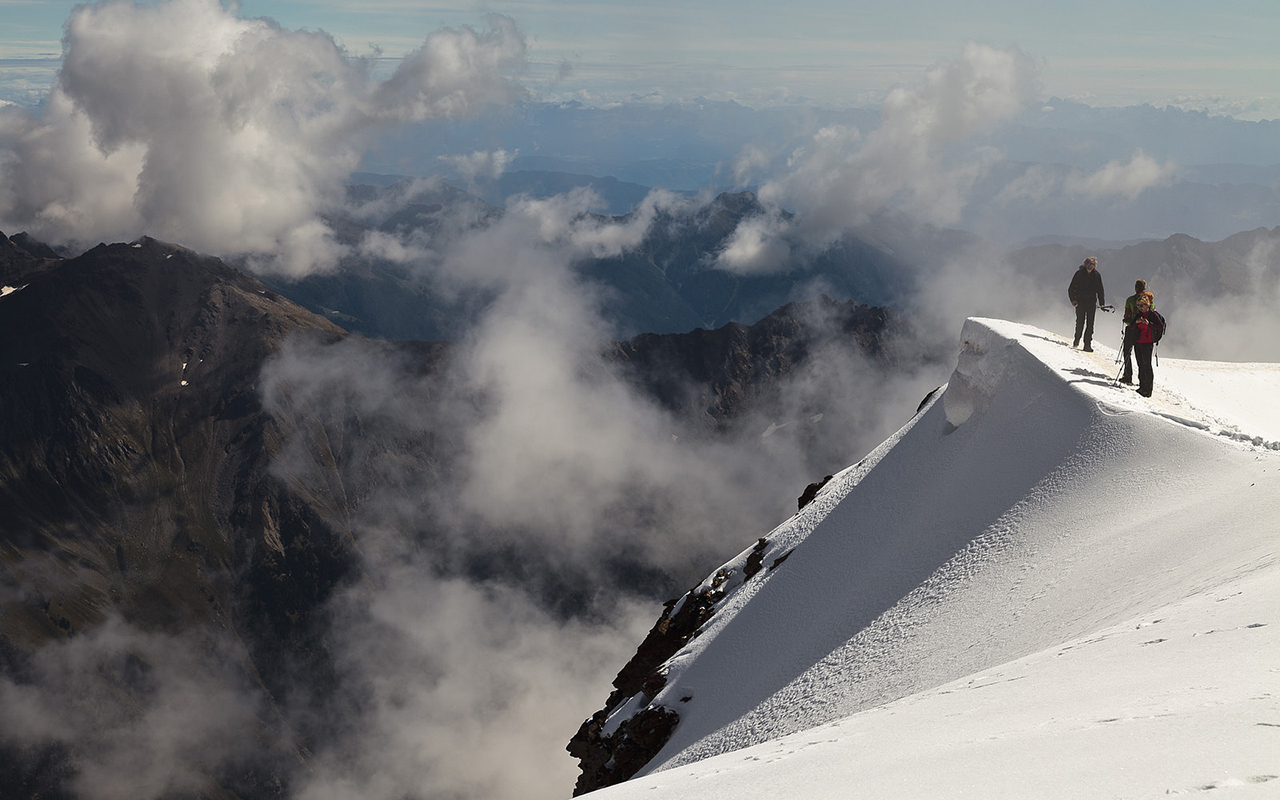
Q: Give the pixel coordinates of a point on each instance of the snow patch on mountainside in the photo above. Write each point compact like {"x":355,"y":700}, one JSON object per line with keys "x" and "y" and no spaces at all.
{"x":1033,"y":512}
{"x":1181,"y":701}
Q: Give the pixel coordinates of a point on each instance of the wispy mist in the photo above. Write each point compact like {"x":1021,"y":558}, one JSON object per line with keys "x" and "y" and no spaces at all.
{"x":147,"y":714}
{"x":1231,"y":328}
{"x":521,"y":508}
{"x":468,"y":688}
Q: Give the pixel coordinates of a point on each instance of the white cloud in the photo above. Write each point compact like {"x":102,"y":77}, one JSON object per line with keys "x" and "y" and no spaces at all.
{"x":1038,"y":183}
{"x":567,"y":220}
{"x":749,"y":162}
{"x":1044,"y":183}
{"x":183,"y":121}
{"x":914,"y":159}
{"x":1122,"y":180}
{"x":454,"y":74}
{"x":757,"y":246}
{"x":481,"y":164}
{"x":473,"y":690}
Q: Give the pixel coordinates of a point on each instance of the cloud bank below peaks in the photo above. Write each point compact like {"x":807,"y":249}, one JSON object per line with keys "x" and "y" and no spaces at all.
{"x":1115,"y":180}
{"x":917,"y":159}
{"x":182,"y":121}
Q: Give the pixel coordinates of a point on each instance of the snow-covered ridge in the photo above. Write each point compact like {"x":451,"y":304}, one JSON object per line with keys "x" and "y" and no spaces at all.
{"x":1035,"y":506}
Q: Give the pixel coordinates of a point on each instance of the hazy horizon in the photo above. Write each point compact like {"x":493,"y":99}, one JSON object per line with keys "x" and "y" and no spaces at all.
{"x":817,"y":51}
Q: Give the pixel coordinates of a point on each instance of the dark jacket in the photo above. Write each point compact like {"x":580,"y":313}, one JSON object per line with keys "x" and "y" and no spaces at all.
{"x":1086,"y":288}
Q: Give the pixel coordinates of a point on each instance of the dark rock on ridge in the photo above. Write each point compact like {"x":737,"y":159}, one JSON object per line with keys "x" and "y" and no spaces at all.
{"x":811,"y":491}
{"x":38,"y":249}
{"x":631,"y":746}
{"x":608,"y":758}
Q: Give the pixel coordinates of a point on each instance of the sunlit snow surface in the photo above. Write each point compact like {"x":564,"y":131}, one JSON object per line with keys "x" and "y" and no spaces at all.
{"x":1044,"y":586}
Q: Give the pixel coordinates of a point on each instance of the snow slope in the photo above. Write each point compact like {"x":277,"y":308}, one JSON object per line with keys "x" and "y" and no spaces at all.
{"x":1044,"y":585}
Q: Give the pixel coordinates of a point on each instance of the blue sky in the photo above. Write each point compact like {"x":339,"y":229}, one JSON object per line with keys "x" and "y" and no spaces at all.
{"x":1220,"y":56}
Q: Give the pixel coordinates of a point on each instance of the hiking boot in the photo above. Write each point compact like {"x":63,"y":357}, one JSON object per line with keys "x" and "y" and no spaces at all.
{"x":1088,"y":349}
{"x":1127,"y":381}
{"x":1076,"y":343}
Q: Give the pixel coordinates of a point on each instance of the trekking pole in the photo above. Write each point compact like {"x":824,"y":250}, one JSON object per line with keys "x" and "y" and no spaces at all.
{"x":1124,"y":337}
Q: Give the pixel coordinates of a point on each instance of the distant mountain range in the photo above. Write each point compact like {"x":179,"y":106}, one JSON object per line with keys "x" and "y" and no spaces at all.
{"x":665,"y":285}
{"x":1225,"y":180}
{"x":1182,"y":269}
{"x":633,"y":142}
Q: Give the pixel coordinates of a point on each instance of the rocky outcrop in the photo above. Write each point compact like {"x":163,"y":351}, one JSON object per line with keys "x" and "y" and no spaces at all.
{"x":621,"y":738}
{"x":611,"y":756}
{"x":608,"y":760}
{"x":811,"y":492}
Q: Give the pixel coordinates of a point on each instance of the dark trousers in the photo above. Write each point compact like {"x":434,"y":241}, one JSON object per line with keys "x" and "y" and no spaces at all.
{"x":1128,"y":354}
{"x":1146,"y":377}
{"x":1084,"y":321}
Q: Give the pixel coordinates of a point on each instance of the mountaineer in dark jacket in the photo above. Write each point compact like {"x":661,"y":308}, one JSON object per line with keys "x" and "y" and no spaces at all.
{"x":1087,"y":295}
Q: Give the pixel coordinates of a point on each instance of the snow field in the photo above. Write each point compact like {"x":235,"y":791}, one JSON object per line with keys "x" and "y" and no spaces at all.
{"x":1032,"y":516}
{"x":1183,"y":701}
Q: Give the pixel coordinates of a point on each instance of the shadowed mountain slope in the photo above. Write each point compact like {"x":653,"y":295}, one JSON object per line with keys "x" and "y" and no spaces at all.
{"x":135,"y":466}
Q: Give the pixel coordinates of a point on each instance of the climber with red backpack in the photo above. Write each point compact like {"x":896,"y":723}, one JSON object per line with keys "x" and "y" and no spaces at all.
{"x":1148,"y":328}
{"x":1131,"y":311}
